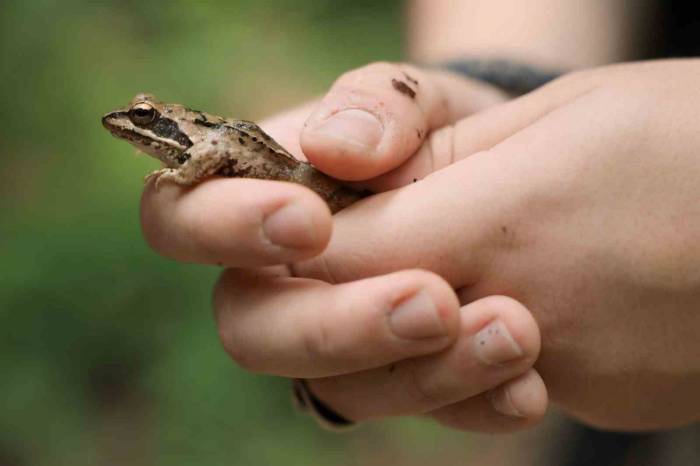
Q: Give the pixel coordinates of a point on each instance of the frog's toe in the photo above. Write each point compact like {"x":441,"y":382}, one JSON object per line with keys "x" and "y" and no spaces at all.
{"x":157,"y":176}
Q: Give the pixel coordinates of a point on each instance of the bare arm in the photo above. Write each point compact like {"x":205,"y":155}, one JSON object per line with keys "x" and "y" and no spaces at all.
{"x":554,"y":33}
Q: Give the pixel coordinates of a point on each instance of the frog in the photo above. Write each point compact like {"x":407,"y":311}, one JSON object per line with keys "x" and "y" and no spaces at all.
{"x":193,"y":146}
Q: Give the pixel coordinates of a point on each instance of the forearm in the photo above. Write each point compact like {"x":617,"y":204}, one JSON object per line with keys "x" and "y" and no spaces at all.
{"x":564,"y":34}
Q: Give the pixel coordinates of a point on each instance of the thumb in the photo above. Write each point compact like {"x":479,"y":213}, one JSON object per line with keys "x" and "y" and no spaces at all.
{"x":455,"y":219}
{"x":483,"y":131}
{"x":441,"y":224}
{"x":376,"y":117}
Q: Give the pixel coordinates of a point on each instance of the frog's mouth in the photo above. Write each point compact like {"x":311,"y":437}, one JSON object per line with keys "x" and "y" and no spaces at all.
{"x":143,"y":139}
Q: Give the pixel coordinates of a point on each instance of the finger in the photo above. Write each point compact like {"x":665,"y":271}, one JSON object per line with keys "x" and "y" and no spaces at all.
{"x":420,"y":225}
{"x":237,"y":222}
{"x":304,"y":328}
{"x":498,"y":340}
{"x":478,"y":205}
{"x":518,"y":404}
{"x":376,"y":117}
{"x":482,"y":131}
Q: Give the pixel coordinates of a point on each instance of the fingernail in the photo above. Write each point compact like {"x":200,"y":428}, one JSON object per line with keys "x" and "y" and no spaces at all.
{"x":290,"y":227}
{"x":502,"y":402}
{"x":352,"y":126}
{"x":416,"y":318}
{"x":494,"y":345}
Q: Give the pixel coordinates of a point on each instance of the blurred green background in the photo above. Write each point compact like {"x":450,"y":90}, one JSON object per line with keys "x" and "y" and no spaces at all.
{"x":108,"y":352}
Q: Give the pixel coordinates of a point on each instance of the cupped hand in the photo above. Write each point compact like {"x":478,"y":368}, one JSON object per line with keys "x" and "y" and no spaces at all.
{"x":394,"y":344}
{"x":579,"y":200}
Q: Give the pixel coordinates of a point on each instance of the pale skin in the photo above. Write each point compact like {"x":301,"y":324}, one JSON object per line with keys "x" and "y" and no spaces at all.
{"x":578,"y":202}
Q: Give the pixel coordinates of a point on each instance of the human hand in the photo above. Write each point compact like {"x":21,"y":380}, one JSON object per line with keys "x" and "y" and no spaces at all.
{"x":578,"y":200}
{"x":391,"y":335}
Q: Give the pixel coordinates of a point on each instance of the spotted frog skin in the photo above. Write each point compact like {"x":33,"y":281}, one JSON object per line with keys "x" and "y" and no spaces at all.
{"x":194,"y":145}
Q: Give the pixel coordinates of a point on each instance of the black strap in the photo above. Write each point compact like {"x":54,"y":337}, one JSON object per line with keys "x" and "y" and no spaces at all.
{"x":513,"y":77}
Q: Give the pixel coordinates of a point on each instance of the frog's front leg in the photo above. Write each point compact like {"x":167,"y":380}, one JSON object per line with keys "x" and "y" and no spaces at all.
{"x":198,"y":162}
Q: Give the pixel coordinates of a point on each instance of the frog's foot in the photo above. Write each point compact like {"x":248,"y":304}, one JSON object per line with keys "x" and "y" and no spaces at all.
{"x":178,"y":176}
{"x":164,"y":174}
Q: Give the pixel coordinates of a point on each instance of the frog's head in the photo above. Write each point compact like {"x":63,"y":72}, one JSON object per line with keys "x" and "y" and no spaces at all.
{"x":152,"y":127}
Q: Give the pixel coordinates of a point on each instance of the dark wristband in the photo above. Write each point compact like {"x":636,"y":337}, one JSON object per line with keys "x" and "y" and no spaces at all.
{"x":511,"y":76}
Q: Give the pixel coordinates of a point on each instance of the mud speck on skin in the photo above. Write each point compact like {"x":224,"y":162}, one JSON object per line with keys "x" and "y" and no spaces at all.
{"x":410,"y":79}
{"x":403,"y":88}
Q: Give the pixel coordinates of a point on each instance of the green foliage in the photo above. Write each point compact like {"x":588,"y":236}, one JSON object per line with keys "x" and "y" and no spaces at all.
{"x":108,"y":352}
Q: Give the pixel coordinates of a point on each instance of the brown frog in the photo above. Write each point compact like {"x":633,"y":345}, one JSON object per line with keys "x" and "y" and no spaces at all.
{"x":193,"y":145}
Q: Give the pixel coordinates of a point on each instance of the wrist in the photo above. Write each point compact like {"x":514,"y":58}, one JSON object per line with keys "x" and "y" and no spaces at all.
{"x":548,"y":33}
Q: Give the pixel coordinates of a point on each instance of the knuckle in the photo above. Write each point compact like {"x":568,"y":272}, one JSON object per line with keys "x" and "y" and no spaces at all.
{"x":320,"y":344}
{"x":422,"y":395}
{"x":440,"y":147}
{"x":465,"y":364}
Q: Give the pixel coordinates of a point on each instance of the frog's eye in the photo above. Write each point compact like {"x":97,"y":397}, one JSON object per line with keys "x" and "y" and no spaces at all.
{"x":142,"y":113}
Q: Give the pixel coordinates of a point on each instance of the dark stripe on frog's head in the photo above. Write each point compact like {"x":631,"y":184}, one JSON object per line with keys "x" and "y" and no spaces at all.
{"x":119,"y":124}
{"x":168,"y":129}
